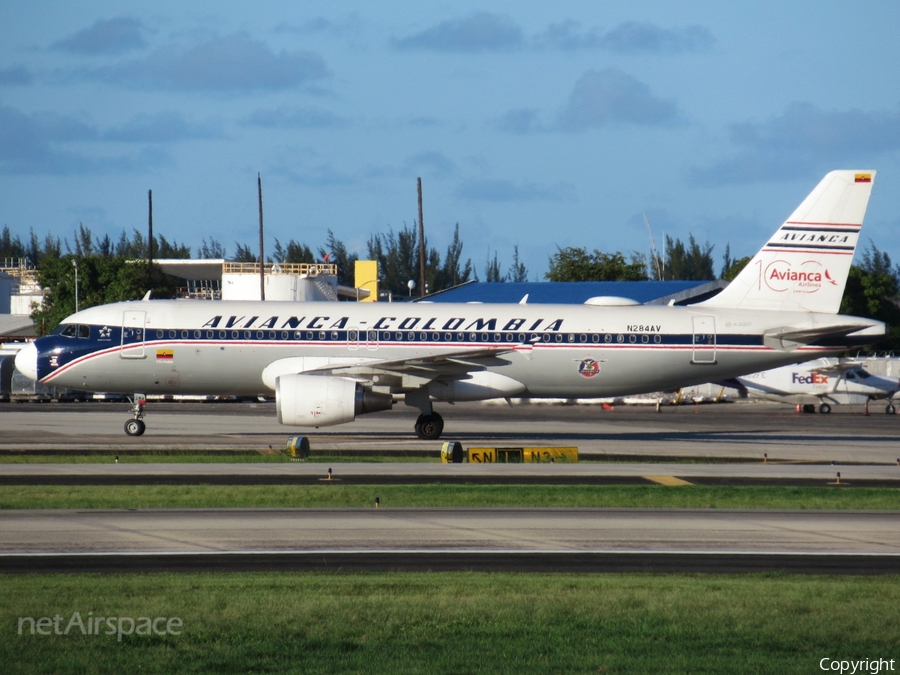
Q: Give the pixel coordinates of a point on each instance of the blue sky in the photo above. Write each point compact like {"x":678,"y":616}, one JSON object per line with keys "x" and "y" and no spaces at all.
{"x":531,"y":123}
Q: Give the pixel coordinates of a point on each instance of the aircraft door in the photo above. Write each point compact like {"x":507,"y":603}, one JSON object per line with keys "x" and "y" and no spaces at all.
{"x":704,"y":343}
{"x":133,"y":334}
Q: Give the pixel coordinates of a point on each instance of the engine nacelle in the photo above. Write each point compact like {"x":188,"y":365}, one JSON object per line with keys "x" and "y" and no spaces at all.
{"x":321,"y":401}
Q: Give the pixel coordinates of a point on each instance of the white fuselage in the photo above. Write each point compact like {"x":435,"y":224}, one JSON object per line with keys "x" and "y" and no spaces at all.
{"x":207,"y":347}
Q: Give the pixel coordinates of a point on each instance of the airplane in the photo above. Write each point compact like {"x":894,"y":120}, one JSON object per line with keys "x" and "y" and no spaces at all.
{"x":326,"y":363}
{"x":825,"y":382}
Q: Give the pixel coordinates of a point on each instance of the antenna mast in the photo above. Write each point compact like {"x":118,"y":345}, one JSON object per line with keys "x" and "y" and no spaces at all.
{"x":262,"y":259}
{"x":421,"y":243}
{"x":653,"y":253}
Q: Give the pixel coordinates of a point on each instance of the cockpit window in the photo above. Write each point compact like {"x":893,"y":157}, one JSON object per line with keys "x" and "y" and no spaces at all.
{"x":863,"y":374}
{"x":851,"y":375}
{"x":75,"y":330}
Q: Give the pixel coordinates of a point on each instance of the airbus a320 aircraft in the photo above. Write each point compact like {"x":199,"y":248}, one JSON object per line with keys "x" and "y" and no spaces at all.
{"x":329,"y":362}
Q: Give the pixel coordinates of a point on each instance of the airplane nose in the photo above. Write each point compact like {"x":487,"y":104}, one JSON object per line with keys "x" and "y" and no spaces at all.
{"x":26,"y":361}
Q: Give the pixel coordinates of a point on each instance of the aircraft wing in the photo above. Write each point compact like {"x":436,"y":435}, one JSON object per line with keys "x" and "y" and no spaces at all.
{"x":413,"y":372}
{"x":838,"y":368}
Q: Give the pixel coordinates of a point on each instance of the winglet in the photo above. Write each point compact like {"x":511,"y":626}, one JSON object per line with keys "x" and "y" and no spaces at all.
{"x":804,"y":266}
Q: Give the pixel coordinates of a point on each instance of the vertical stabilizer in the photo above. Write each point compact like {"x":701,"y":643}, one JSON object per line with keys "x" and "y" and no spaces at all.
{"x":804,"y":266}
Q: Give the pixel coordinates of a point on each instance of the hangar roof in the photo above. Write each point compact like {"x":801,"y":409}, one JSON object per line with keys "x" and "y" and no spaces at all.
{"x":577,"y":292}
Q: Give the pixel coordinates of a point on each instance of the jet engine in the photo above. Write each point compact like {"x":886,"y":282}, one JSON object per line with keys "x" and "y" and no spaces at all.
{"x":321,"y":401}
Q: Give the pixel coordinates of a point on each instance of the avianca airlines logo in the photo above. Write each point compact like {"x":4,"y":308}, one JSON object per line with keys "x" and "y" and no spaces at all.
{"x":807,"y":277}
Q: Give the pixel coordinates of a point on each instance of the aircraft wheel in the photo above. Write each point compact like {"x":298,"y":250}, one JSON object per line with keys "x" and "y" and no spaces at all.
{"x":135,"y":427}
{"x":429,"y":427}
{"x":890,"y":410}
{"x":809,"y":408}
{"x":824,"y":408}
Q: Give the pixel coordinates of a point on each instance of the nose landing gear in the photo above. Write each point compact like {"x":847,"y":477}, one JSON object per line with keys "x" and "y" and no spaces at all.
{"x":136,"y":426}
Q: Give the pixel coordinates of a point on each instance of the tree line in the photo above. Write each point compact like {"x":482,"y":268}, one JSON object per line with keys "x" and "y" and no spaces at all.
{"x":114,"y":270}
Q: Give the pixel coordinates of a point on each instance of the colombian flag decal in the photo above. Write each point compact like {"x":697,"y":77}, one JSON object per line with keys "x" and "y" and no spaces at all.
{"x":164,"y":355}
{"x":863,"y":178}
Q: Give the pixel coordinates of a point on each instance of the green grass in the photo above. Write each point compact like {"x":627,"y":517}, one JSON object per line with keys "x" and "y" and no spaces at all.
{"x":455,"y":623}
{"x":436,"y":495}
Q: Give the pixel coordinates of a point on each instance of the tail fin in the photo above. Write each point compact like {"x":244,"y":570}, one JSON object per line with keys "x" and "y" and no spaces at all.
{"x":804,"y":266}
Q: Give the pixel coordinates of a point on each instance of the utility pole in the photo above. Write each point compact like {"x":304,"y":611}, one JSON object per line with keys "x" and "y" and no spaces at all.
{"x":262,"y":258}
{"x":150,"y":238}
{"x":421,"y":244}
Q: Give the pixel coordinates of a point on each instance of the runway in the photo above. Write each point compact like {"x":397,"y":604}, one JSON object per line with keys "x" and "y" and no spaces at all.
{"x":739,"y":431}
{"x":740,"y":444}
{"x":558,"y":539}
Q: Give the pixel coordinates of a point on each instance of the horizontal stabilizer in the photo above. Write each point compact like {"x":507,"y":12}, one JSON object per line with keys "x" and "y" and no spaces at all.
{"x":789,"y":339}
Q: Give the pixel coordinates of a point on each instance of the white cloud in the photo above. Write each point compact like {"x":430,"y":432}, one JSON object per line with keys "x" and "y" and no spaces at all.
{"x":803,"y":141}
{"x":606,"y":97}
{"x":480,"y":32}
{"x":106,"y":36}
{"x":234,"y":63}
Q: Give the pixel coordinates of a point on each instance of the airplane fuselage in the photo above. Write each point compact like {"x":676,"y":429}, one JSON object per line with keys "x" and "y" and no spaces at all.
{"x":208,"y":347}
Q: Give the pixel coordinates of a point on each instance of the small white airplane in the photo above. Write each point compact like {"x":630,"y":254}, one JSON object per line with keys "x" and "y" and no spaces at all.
{"x":326,"y":363}
{"x":825,"y":382}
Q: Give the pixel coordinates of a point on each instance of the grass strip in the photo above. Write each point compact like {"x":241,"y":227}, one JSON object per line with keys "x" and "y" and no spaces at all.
{"x":314,"y":623}
{"x":336,"y":495}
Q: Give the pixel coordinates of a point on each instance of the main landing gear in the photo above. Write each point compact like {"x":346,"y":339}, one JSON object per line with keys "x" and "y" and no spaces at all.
{"x":429,"y":425}
{"x":136,"y":426}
